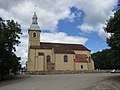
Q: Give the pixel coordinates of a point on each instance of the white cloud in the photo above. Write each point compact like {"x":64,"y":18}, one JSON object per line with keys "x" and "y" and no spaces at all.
{"x":22,"y":49}
{"x":5,"y":14}
{"x":49,"y":13}
{"x":5,"y":4}
{"x":104,"y":34}
{"x":86,"y":28}
{"x":71,"y":17}
{"x":96,"y":13}
{"x":62,"y":37}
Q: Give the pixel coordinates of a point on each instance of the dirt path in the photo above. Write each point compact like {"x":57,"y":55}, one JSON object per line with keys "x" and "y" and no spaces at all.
{"x":107,"y":84}
{"x":92,"y":81}
{"x":15,"y":79}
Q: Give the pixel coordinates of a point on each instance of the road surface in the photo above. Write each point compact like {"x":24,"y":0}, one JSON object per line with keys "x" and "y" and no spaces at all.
{"x":58,"y":82}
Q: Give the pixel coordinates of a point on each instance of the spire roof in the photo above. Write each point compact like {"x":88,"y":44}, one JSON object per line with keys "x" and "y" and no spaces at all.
{"x":34,"y":25}
{"x":34,"y":19}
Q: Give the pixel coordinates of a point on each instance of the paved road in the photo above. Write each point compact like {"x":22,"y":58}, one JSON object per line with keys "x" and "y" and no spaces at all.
{"x":56,"y":82}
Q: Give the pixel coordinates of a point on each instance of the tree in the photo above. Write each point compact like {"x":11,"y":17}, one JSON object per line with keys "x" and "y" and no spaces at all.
{"x":113,"y":27}
{"x":105,"y":59}
{"x":9,"y":38}
{"x":100,"y":59}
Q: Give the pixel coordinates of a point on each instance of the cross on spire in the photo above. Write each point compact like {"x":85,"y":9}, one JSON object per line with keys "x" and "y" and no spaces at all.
{"x":35,"y":7}
{"x":34,"y":19}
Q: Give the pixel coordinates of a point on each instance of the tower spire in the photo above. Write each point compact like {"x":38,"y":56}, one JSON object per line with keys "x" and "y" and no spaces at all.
{"x":34,"y":25}
{"x":34,"y":19}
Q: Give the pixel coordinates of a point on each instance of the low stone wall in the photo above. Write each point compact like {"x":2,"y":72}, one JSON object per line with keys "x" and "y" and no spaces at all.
{"x":65,"y":72}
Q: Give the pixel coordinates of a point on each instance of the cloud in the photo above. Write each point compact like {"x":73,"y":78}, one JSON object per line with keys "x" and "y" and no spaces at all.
{"x":6,"y":5}
{"x":22,"y":49}
{"x":96,"y":14}
{"x":62,"y":37}
{"x":96,"y":11}
{"x":104,"y":34}
{"x":86,"y":28}
{"x":49,"y":13}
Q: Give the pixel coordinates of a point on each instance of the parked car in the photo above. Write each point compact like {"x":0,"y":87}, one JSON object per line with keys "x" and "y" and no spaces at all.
{"x":115,"y":71}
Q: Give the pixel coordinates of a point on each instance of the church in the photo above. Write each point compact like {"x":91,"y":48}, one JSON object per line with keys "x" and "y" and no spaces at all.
{"x":44,"y":56}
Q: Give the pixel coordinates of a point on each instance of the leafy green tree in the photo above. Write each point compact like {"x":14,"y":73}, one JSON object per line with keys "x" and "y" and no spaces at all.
{"x":9,"y":38}
{"x":105,"y":59}
{"x":113,"y":27}
{"x":100,"y":59}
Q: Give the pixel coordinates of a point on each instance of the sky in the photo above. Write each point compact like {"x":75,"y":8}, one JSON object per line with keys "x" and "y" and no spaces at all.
{"x":61,"y":21}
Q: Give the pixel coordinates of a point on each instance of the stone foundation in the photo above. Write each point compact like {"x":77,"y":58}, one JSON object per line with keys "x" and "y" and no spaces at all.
{"x":65,"y":72}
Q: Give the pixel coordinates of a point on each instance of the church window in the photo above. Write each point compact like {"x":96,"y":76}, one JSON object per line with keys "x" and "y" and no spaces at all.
{"x":40,"y":54}
{"x":34,"y":34}
{"x":81,"y":66}
{"x":48,"y":58}
{"x":65,"y":58}
{"x":89,"y":60}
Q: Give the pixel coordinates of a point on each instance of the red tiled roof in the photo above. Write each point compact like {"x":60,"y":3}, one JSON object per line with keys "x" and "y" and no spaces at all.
{"x":81,"y":58}
{"x":61,"y":47}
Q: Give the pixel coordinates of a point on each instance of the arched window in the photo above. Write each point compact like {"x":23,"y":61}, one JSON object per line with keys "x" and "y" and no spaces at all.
{"x":34,"y":34}
{"x":81,"y":66}
{"x":48,"y":58}
{"x":89,"y":60}
{"x":65,"y":58}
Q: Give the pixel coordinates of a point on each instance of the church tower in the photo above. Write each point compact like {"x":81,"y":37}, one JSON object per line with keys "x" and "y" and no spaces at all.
{"x":34,"y":32}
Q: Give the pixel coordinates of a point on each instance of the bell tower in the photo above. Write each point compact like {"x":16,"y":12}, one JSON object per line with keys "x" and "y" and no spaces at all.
{"x":34,"y":32}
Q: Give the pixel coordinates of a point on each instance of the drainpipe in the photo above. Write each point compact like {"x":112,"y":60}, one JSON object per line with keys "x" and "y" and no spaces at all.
{"x":35,"y":60}
{"x":44,"y":63}
{"x":74,"y":61}
{"x":88,"y":63}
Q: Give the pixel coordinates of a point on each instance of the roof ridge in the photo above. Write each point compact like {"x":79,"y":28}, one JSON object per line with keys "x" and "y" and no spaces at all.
{"x":60,"y":46}
{"x":62,"y":43}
